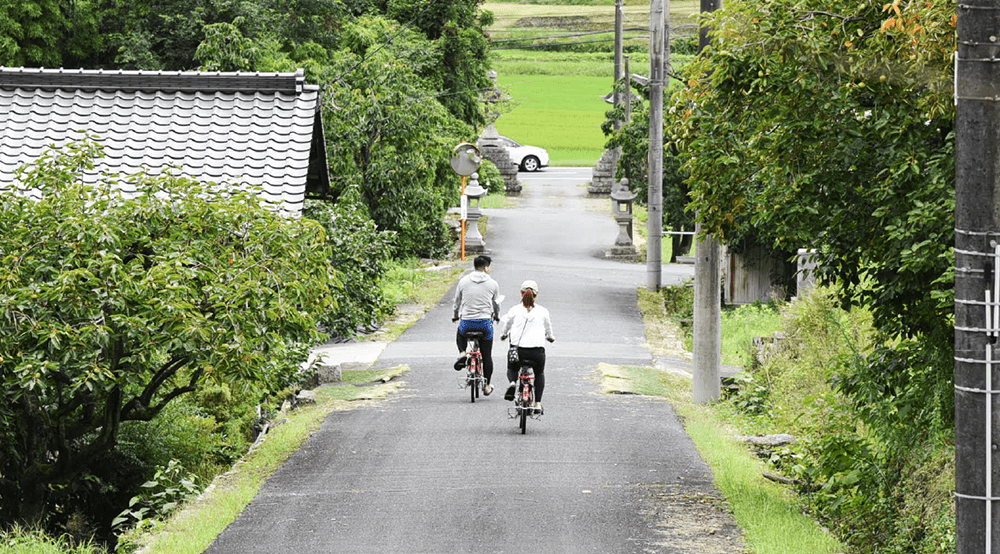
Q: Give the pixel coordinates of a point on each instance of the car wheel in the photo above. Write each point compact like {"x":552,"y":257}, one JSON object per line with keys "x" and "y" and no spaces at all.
{"x":530,"y":163}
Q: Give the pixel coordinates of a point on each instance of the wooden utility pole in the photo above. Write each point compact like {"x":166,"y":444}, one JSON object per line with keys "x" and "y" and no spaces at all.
{"x":977,"y":275}
{"x":707,"y":292}
{"x":654,"y":222}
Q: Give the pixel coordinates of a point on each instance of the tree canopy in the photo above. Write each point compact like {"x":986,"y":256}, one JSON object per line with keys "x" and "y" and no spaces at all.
{"x":831,"y":127}
{"x":832,"y":130}
{"x":111,"y":308}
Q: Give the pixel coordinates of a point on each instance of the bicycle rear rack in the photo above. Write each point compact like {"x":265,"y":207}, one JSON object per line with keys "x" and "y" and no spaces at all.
{"x":514,"y":412}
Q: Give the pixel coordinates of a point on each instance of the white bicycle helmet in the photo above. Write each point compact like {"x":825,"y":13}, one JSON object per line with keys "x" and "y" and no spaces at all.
{"x":529,"y":284}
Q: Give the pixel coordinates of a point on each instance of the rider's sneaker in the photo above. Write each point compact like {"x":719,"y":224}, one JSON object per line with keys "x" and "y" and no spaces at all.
{"x":538,"y":408}
{"x":487,"y":390}
{"x":509,"y":395}
{"x":460,"y":363}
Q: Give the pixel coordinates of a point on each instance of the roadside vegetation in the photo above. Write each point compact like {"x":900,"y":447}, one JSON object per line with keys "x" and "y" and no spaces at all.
{"x":838,"y":473}
{"x":845,"y":144}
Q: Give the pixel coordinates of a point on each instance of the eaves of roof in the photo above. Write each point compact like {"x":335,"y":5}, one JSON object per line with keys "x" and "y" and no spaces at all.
{"x":238,"y":129}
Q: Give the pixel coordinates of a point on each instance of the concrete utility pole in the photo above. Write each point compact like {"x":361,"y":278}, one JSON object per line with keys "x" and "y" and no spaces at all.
{"x":619,"y":39}
{"x":707,"y":292}
{"x":654,"y":222}
{"x":617,"y":125}
{"x":977,"y":275}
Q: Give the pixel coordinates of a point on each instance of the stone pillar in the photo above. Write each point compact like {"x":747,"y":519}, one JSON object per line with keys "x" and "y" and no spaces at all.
{"x":489,"y":145}
{"x":474,"y":242}
{"x":603,"y":178}
{"x":805,"y":276}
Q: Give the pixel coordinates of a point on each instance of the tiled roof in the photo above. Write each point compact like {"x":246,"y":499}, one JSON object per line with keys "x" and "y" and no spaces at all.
{"x":232,"y":128}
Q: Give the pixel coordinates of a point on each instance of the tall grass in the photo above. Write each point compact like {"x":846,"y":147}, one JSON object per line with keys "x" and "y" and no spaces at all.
{"x":739,"y":327}
{"x":770,"y":516}
{"x":20,"y":540}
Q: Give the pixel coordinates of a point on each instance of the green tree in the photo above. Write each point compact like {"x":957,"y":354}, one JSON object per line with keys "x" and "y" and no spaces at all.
{"x":360,"y":253}
{"x":389,"y":139}
{"x":111,"y":308}
{"x":47,"y":33}
{"x":633,"y":139}
{"x":830,"y":126}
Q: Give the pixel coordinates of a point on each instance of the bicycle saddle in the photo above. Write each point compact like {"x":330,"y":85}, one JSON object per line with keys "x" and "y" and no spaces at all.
{"x":474,"y":334}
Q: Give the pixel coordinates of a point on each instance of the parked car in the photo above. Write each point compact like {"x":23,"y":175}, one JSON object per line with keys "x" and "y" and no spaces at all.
{"x":528,"y":158}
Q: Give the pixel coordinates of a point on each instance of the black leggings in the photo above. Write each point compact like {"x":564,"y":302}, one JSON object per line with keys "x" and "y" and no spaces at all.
{"x":485,"y":348}
{"x":536,"y":355}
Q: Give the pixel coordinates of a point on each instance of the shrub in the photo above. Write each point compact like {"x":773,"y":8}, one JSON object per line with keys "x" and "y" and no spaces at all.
{"x":360,"y":253}
{"x":490,"y":178}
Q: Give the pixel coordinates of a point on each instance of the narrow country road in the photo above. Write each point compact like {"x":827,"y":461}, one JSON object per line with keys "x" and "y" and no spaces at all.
{"x":429,"y":472}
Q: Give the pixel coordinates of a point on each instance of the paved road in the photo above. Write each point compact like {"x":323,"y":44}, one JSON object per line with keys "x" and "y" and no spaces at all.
{"x":430,"y":472}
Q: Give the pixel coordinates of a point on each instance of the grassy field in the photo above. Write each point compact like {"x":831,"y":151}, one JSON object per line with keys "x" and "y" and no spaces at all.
{"x":557,"y":96}
{"x":561,"y":114}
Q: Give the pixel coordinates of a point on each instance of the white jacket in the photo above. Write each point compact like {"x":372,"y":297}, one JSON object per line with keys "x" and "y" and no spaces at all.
{"x":527,"y":328}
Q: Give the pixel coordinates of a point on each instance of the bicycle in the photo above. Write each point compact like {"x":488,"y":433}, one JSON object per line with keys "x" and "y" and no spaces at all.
{"x":524,"y":397}
{"x":473,"y":379}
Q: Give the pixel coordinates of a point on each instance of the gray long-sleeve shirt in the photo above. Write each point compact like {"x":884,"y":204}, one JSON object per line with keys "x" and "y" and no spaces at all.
{"x":476,"y":297}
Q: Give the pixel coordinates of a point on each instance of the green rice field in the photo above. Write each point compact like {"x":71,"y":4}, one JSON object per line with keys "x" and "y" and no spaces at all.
{"x":556,"y":97}
{"x":562,"y":114}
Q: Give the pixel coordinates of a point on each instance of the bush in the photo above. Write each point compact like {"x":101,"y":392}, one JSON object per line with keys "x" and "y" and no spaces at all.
{"x":360,"y":253}
{"x":872,"y":460}
{"x":115,"y":308}
{"x":490,"y":178}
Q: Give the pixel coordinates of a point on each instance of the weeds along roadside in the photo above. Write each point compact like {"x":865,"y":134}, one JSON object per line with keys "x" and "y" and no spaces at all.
{"x":837,"y":471}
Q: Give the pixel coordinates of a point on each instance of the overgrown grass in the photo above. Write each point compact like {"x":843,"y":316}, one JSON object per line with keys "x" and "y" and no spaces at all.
{"x":498,"y":200}
{"x":872,"y":498}
{"x":771,"y":517}
{"x":416,"y":282}
{"x":739,"y":327}
{"x":20,"y":540}
{"x":193,"y":528}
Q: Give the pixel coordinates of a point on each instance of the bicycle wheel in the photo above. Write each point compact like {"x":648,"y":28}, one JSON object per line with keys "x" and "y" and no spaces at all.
{"x":524,"y":419}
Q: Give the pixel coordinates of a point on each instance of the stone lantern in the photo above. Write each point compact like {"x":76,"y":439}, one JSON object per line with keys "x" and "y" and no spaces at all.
{"x":473,"y":238}
{"x":622,"y":200}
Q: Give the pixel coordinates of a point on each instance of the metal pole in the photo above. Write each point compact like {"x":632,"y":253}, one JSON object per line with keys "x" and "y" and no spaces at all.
{"x":464,"y":199}
{"x":654,"y":223}
{"x":977,"y":274}
{"x":628,"y":93}
{"x":707,"y":330}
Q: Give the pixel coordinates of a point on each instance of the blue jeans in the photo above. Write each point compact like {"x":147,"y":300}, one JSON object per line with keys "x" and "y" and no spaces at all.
{"x":485,"y":343}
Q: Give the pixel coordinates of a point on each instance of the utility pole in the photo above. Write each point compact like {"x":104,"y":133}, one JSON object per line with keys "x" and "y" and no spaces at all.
{"x":617,"y":125}
{"x":619,"y":39}
{"x":977,"y":275}
{"x":654,"y":222}
{"x":707,"y":294}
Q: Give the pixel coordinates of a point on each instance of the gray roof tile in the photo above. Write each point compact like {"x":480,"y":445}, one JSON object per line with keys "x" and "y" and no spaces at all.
{"x":234,"y":128}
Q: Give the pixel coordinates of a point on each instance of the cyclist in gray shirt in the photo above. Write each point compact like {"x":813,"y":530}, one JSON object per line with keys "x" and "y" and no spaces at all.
{"x":477,"y":306}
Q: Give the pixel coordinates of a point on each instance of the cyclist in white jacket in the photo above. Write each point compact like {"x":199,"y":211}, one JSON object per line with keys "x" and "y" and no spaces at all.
{"x":529,"y":326}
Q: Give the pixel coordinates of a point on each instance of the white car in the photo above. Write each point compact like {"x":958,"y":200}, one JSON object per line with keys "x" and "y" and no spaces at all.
{"x":528,"y":158}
